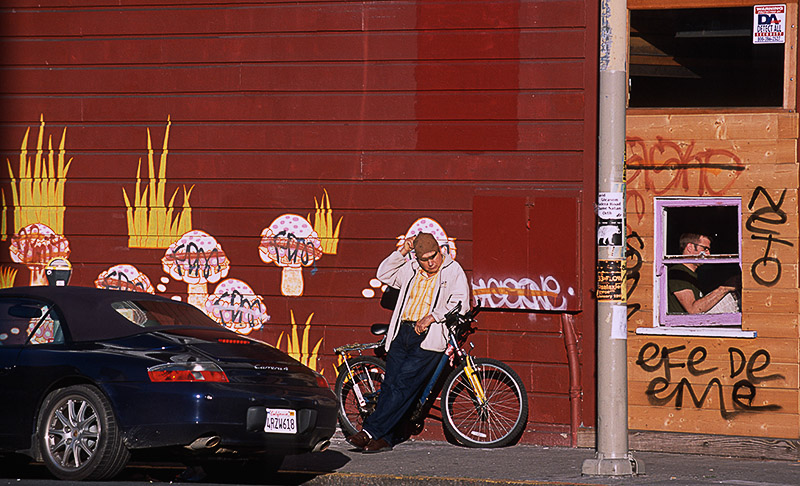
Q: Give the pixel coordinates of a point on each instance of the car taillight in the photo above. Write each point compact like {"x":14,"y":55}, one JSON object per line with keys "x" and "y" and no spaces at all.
{"x":321,"y":381}
{"x":183,"y":372}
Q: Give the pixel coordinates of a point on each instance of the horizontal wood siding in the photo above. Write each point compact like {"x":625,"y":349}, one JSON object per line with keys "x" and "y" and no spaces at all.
{"x":385,"y":111}
{"x":764,"y":145}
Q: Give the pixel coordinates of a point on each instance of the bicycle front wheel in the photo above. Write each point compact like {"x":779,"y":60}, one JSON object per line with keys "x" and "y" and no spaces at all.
{"x":497,"y":422}
{"x":357,"y":397}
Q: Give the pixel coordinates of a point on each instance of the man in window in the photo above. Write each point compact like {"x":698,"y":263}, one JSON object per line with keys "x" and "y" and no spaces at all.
{"x":684,"y":294}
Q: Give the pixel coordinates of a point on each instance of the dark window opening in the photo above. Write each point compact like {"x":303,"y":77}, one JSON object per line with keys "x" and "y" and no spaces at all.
{"x":720,"y":223}
{"x":702,"y":58}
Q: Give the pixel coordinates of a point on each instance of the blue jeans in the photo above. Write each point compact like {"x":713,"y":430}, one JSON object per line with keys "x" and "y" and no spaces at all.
{"x":408,"y":369}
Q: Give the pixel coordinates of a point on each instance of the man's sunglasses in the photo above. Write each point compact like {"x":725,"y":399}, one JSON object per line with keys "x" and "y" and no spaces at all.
{"x":423,"y":260}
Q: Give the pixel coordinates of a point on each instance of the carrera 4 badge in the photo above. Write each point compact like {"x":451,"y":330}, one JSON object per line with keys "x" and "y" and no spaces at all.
{"x":272,"y":368}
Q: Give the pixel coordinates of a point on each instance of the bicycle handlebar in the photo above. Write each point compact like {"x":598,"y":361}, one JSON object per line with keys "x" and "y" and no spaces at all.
{"x":454,"y":312}
{"x":459,"y":326}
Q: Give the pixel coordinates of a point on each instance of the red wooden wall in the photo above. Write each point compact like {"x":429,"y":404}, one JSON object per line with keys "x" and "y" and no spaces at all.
{"x":398,"y":110}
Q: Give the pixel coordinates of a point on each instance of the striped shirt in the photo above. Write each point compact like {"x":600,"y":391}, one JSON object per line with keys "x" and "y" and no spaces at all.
{"x":420,"y":297}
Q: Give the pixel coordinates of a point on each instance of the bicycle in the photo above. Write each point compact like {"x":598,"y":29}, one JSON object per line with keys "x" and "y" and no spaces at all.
{"x":483,"y":400}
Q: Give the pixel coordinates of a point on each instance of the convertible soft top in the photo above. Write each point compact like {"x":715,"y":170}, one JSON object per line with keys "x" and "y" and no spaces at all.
{"x":88,"y":311}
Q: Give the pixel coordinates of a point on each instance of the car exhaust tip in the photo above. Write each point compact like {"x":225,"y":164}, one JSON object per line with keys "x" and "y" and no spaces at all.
{"x":321,"y":446}
{"x":209,"y":442}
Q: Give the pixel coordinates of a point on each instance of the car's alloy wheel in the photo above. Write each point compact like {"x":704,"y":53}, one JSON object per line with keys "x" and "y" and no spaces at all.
{"x":78,"y":435}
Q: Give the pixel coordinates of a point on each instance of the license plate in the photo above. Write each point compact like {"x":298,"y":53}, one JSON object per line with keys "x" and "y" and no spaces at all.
{"x":281,"y":421}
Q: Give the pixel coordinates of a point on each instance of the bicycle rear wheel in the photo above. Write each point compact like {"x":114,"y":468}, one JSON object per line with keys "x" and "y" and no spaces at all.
{"x":368,"y":374}
{"x":500,"y":421}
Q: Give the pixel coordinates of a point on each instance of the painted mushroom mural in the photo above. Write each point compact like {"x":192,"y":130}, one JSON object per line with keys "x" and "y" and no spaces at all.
{"x":196,"y":259}
{"x":34,"y":246}
{"x":237,"y":307}
{"x":124,"y":277}
{"x":429,"y":225}
{"x":291,"y":243}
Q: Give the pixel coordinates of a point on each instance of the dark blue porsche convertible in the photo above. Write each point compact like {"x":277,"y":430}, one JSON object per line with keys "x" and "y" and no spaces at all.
{"x":90,"y":376}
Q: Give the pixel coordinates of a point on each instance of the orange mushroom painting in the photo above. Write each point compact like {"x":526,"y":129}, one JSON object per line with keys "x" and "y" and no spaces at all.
{"x":124,"y":277}
{"x":236,"y":306}
{"x":428,"y":225}
{"x":196,"y":259}
{"x":291,"y":243}
{"x":34,"y":246}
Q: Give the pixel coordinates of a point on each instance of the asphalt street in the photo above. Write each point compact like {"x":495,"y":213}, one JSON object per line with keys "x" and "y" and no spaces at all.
{"x":432,"y":463}
{"x":440,"y":463}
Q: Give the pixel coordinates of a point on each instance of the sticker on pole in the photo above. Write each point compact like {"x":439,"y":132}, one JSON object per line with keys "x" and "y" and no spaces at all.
{"x":610,"y":215}
{"x":611,"y":281}
{"x":769,"y":24}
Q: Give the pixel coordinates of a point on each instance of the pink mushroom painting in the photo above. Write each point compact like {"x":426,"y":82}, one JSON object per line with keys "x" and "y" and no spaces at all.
{"x":197,"y":259}
{"x":124,"y":277}
{"x":291,"y":243}
{"x":35,"y":246}
{"x":428,"y":225}
{"x":235,"y":306}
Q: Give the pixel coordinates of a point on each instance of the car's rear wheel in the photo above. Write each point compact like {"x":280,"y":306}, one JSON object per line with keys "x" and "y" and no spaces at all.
{"x":78,"y":436}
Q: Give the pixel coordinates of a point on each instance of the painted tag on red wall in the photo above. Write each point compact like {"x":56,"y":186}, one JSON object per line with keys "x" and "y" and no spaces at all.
{"x":525,"y":252}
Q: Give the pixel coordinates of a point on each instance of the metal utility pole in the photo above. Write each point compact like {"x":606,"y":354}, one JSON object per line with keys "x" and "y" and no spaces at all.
{"x":612,"y":457}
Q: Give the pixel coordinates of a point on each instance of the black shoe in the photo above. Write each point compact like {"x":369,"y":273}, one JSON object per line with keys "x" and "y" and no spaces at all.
{"x":359,"y":440}
{"x":379,"y":445}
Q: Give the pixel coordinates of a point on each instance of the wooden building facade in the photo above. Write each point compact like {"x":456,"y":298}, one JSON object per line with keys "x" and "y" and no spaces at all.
{"x":176,"y":147}
{"x":712,"y":138}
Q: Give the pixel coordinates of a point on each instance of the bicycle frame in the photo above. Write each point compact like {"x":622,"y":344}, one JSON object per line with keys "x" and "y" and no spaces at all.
{"x":484,"y":402}
{"x":452,"y":321}
{"x":455,"y":349}
{"x":345,"y":351}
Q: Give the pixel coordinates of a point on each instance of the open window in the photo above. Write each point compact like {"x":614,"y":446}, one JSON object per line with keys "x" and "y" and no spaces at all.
{"x":707,"y":57}
{"x":698,"y":252}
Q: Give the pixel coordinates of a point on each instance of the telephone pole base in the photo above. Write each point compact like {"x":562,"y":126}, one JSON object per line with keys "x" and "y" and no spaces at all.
{"x":599,"y":466}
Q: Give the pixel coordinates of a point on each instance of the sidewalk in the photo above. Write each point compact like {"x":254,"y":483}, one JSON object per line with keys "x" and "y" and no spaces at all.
{"x":439,"y":463}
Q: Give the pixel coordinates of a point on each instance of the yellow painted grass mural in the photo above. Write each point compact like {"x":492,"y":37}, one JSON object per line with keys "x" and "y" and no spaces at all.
{"x":150,"y":220}
{"x":4,"y":215}
{"x":7,"y":277}
{"x":298,"y":349}
{"x":339,"y":361}
{"x":323,"y":224}
{"x":38,"y":196}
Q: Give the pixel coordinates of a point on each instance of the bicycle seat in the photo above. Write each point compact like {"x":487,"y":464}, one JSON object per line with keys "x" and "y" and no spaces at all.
{"x":379,"y":329}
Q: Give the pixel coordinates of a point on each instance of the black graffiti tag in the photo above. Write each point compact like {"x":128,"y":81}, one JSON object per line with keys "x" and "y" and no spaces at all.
{"x":119,"y":281}
{"x":235,"y":308}
{"x":660,"y":391}
{"x":294,"y":247}
{"x":766,"y":270}
{"x":196,"y":261}
{"x":633,"y":265}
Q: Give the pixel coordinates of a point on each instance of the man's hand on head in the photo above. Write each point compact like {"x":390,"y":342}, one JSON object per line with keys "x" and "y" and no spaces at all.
{"x":408,"y":245}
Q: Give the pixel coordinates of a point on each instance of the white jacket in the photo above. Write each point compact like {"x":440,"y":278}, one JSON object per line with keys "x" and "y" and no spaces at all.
{"x":451,"y":288}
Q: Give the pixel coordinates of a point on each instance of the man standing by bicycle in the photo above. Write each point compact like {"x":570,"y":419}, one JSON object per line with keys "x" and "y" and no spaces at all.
{"x":430,"y":285}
